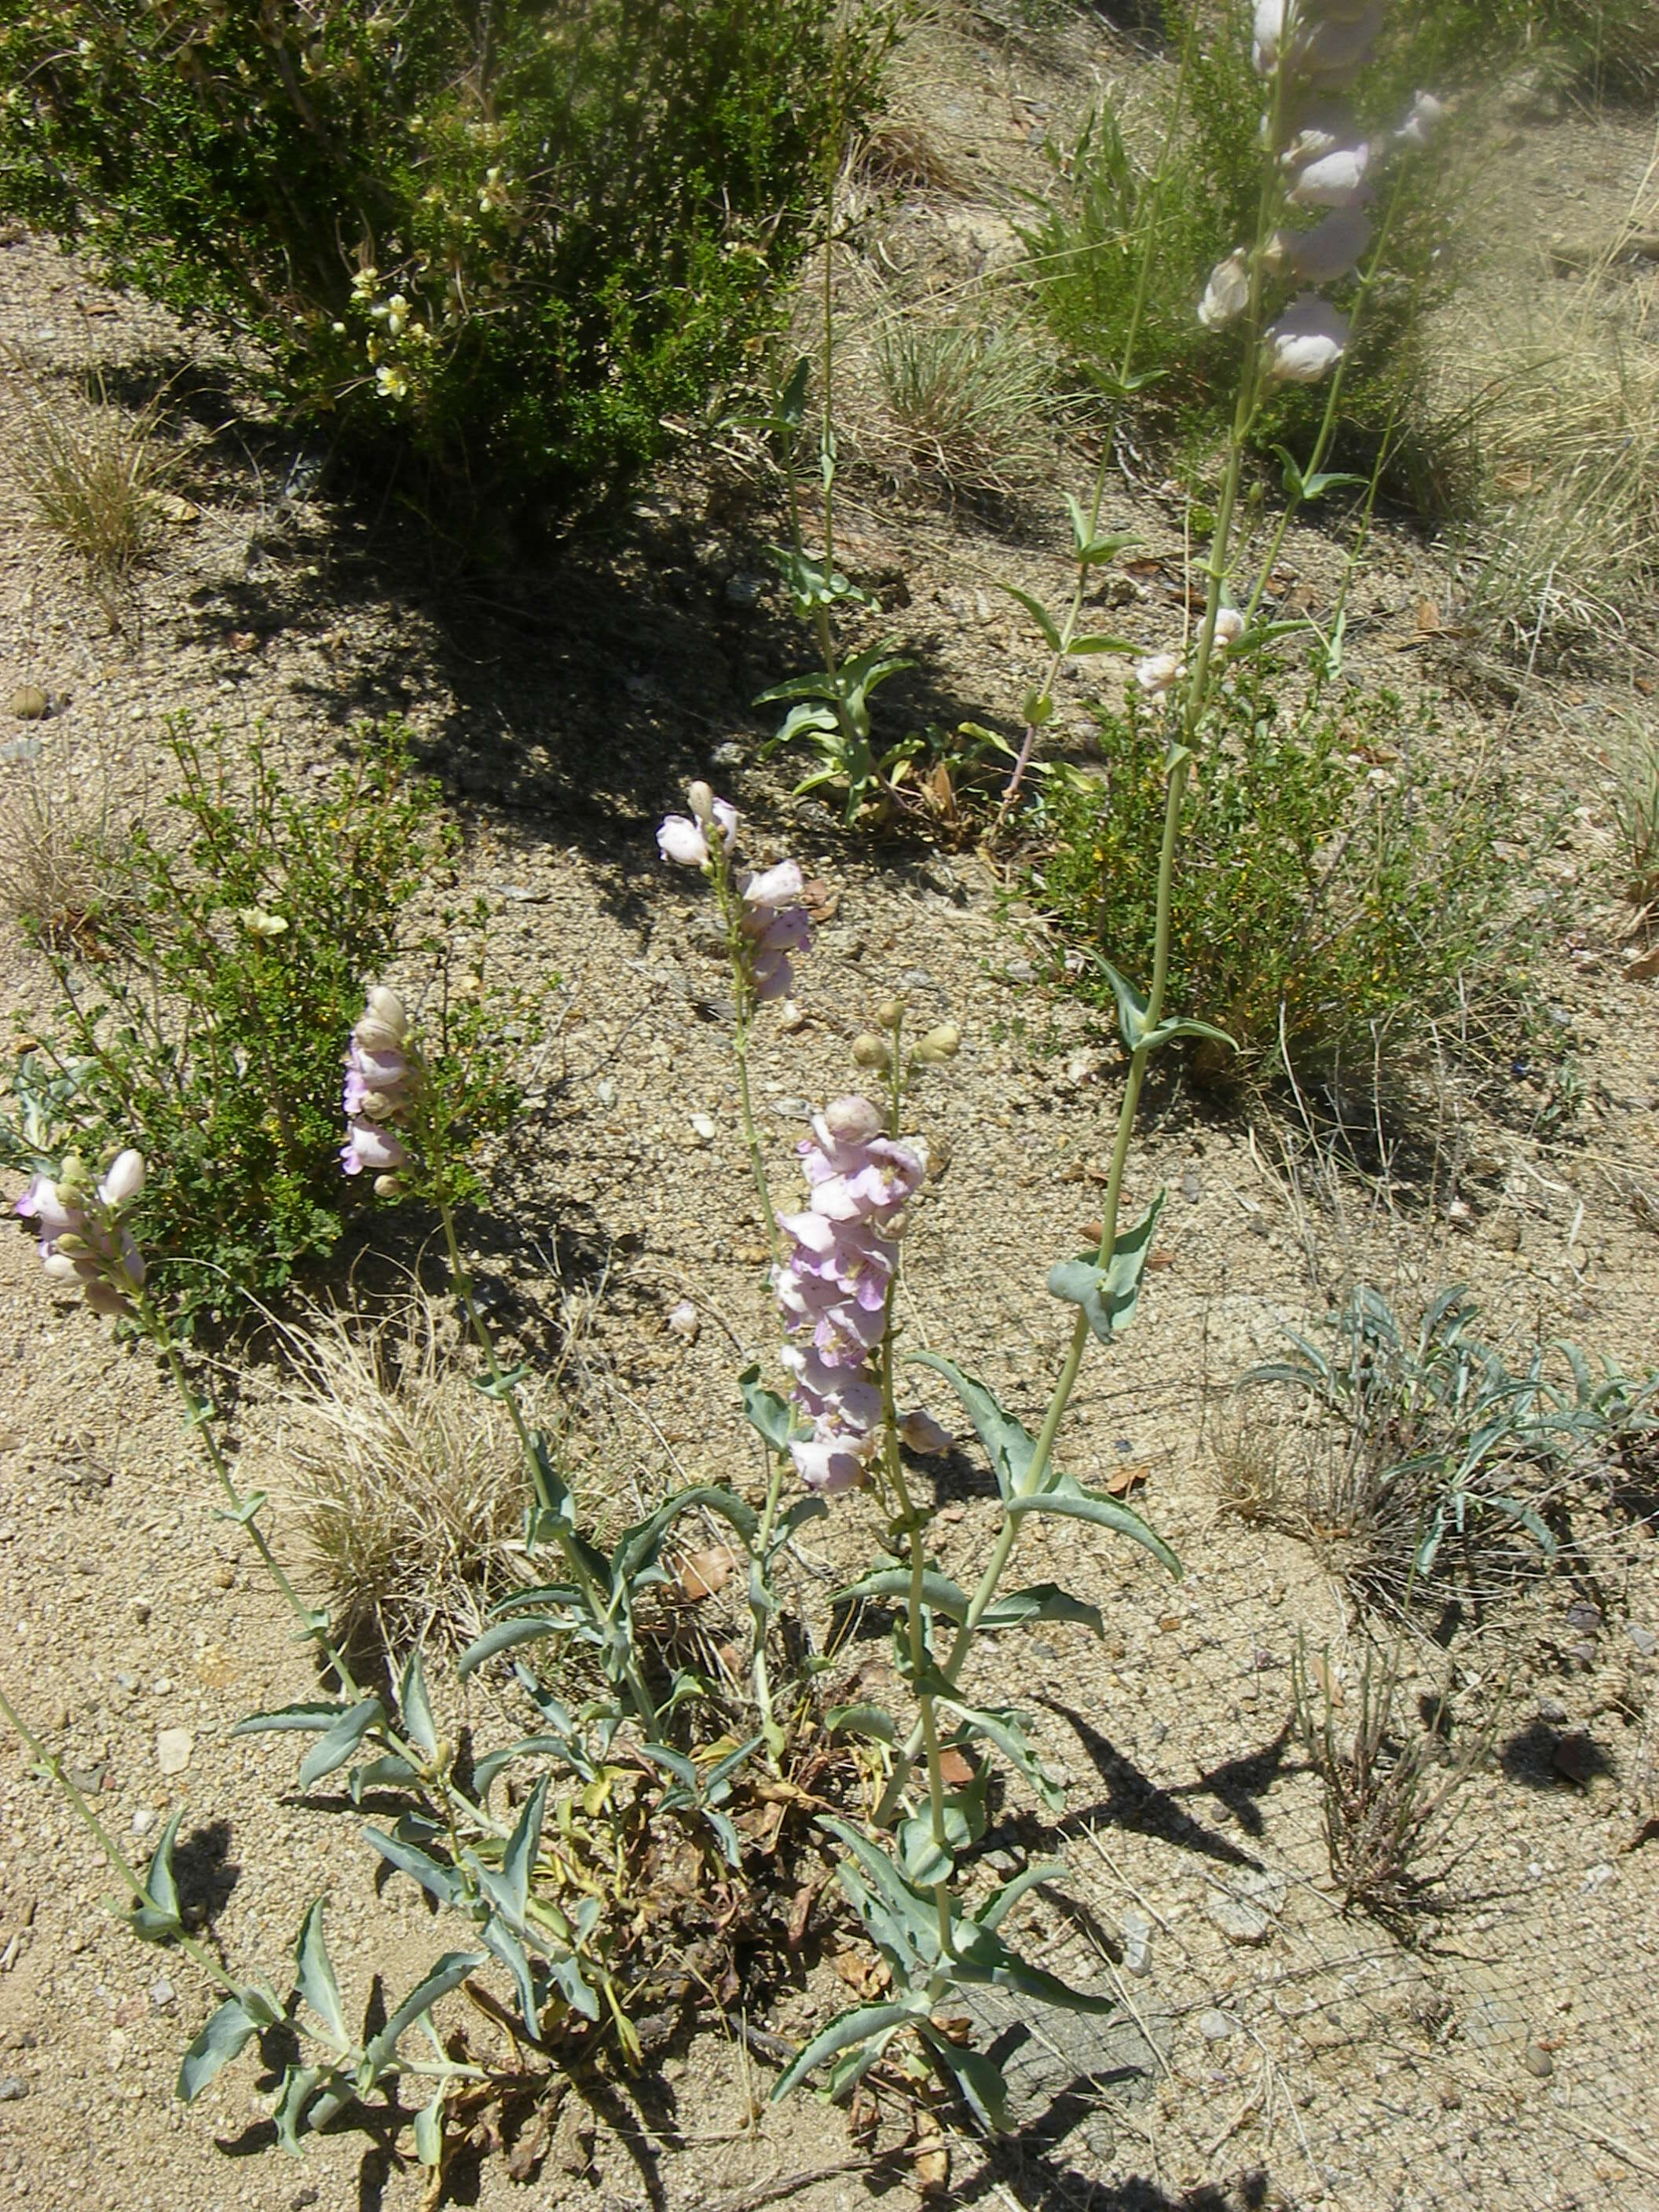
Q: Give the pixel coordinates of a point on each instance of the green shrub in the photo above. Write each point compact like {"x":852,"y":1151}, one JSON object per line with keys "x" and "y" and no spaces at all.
{"x":508,"y":237}
{"x":208,"y":1029}
{"x":1329,"y":875}
{"x":1610,"y":47}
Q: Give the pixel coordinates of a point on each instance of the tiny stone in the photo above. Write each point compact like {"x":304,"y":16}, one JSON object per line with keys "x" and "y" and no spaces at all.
{"x":1137,"y":1943}
{"x":142,"y":1609}
{"x":683,"y":1321}
{"x":1553,"y":1710}
{"x":703,"y":1128}
{"x":173,"y":1748}
{"x":1020,"y":971}
{"x":161,"y":1993}
{"x":29,"y":703}
{"x":224,"y":1578}
{"x":743,"y":590}
{"x":606,"y":1092}
{"x":142,"y":1820}
{"x":162,"y":1686}
{"x":12,"y":2087}
{"x":1239,"y":1922}
{"x":730,"y":755}
{"x":1643,"y":1639}
{"x":1585,"y":1616}
{"x":1537,"y":2060}
{"x":1191,"y":1188}
{"x":1215,"y":2026}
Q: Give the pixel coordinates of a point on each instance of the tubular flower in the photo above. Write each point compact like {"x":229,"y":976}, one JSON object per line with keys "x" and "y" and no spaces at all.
{"x":833,"y":1286}
{"x":1423,"y":119}
{"x":1326,"y":251}
{"x":1326,"y":42}
{"x":82,"y":1240}
{"x":379,"y":1083}
{"x":1308,"y":338}
{"x":774,"y":924}
{"x":683,"y":839}
{"x":1227,"y":294}
{"x":1159,"y":672}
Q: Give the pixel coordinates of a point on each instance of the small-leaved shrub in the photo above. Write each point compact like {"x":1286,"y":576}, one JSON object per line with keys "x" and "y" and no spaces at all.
{"x":510,"y":238}
{"x":1334,"y":887}
{"x":210,"y":1026}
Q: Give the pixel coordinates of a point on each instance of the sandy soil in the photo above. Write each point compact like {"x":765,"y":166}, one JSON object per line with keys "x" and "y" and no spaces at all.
{"x":1508,"y":2060}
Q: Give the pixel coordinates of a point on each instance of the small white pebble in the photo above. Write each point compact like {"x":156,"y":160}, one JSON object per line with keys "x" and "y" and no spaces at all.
{"x":703,"y":1128}
{"x":683,"y":1321}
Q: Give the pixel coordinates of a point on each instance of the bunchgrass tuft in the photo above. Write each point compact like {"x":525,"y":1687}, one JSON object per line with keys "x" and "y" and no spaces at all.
{"x":408,"y":1482}
{"x":95,"y":474}
{"x":1635,"y":765}
{"x":968,"y":400}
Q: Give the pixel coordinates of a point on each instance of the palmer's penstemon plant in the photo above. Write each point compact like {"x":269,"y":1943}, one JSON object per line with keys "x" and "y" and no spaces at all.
{"x":554,"y":1887}
{"x":907,"y":1875}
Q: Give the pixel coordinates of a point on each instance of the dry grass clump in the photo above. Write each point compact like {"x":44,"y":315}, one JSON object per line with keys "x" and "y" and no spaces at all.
{"x":96,"y":473}
{"x":408,"y":1482}
{"x":63,"y":875}
{"x":1389,"y":1786}
{"x":1564,"y":438}
{"x":1569,"y":440}
{"x":968,"y":399}
{"x":1636,"y":765}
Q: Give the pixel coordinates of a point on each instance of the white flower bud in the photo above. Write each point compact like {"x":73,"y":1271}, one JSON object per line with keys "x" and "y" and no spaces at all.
{"x":850,"y":1121}
{"x":386,"y":1006}
{"x":870,"y":1051}
{"x":126,"y":1179}
{"x":701,"y":800}
{"x":889,"y":1014}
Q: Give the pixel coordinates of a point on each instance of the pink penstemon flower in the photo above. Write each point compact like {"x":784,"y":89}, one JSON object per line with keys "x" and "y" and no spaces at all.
{"x":83,"y":1241}
{"x":833,"y":1285}
{"x":380,"y":1081}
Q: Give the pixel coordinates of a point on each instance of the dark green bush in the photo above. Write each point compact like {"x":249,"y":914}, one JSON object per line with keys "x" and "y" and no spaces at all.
{"x":1326,"y":868}
{"x":509,"y":237}
{"x":208,"y":1026}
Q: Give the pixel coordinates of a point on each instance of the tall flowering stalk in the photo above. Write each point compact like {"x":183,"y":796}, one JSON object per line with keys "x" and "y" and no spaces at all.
{"x":1314,"y":225}
{"x":767,"y":929}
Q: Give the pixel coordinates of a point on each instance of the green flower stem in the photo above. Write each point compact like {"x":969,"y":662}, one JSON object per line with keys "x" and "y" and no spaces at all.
{"x":54,"y":1767}
{"x":1179,"y":769}
{"x":914,"y":1525}
{"x":730,"y":902}
{"x":760,"y":1614}
{"x":598,"y":1611}
{"x":199,"y":1415}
